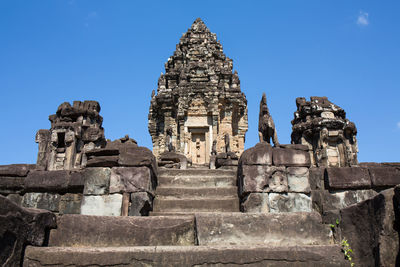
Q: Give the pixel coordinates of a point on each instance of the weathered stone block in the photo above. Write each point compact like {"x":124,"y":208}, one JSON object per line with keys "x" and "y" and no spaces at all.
{"x":97,"y":181}
{"x":76,"y":181}
{"x":316,"y":178}
{"x":54,"y":181}
{"x":290,"y":202}
{"x":298,"y":179}
{"x":19,"y":170}
{"x":256,"y":203}
{"x":20,"y":227}
{"x":171,"y":256}
{"x":70,"y":204}
{"x":106,"y":205}
{"x":348,"y":178}
{"x":371,"y":228}
{"x":103,"y":231}
{"x":102,"y":161}
{"x":48,"y":181}
{"x":136,"y":156}
{"x":260,"y":154}
{"x":282,"y":229}
{"x":226,"y":162}
{"x":16,"y":198}
{"x":254,"y":178}
{"x":278,"y":181}
{"x":290,"y":157}
{"x":9,"y":185}
{"x":131,"y":179}
{"x":384,"y":176}
{"x":141,"y":204}
{"x":323,"y":200}
{"x":176,"y":158}
{"x":46,"y":201}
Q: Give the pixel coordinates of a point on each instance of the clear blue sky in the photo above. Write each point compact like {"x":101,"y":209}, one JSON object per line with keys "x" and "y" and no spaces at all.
{"x":113,"y":52}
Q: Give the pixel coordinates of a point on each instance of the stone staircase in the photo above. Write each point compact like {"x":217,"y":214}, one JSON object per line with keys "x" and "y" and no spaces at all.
{"x":196,"y":222}
{"x":195,"y":190}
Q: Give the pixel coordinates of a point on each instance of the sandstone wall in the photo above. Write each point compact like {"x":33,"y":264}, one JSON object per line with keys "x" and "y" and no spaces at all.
{"x":282,"y":179}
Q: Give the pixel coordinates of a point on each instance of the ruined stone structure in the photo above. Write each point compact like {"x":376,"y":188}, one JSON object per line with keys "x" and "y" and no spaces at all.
{"x":74,"y":130}
{"x":323,"y":127}
{"x":95,"y":202}
{"x":199,"y":98}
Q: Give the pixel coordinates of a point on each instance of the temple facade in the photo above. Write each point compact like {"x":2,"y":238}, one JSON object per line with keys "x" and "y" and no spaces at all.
{"x":198,"y":100}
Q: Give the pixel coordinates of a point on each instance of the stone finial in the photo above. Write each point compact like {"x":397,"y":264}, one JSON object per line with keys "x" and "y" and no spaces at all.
{"x":266,"y":125}
{"x":323,"y":127}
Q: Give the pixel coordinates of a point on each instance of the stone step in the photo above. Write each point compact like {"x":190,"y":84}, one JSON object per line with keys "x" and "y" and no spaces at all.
{"x":101,"y":231}
{"x":192,"y":204}
{"x":197,"y":181}
{"x":168,"y":256}
{"x":196,"y":172}
{"x":211,"y":192}
{"x":186,"y":213}
{"x":272,"y":229}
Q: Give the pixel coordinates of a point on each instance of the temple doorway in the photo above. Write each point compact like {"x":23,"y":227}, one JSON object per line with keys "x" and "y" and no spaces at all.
{"x":199,"y":151}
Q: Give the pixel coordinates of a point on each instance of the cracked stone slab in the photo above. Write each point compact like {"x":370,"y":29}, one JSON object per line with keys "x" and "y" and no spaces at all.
{"x":195,"y":256}
{"x":102,"y":231}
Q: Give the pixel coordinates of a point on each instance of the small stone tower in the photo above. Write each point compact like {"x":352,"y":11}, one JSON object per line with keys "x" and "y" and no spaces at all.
{"x":323,"y":127}
{"x":74,"y":130}
{"x":198,"y":99}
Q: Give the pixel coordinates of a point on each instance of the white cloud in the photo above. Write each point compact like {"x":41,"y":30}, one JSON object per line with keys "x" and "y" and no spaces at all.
{"x":362,"y":19}
{"x":398,"y":125}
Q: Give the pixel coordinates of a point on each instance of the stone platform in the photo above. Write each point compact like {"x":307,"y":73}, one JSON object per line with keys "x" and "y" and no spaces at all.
{"x":202,"y":239}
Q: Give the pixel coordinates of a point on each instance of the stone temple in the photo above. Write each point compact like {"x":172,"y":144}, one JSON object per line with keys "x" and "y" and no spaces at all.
{"x":198,"y":99}
{"x":199,"y":198}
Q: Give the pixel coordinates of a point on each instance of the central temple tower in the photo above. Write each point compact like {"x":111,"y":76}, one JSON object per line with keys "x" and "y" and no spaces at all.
{"x":198,"y":100}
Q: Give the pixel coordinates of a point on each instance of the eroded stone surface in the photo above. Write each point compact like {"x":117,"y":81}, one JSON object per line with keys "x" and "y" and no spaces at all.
{"x":348,"y":178}
{"x":290,"y":157}
{"x":324,"y":200}
{"x":256,"y":203}
{"x":260,"y":154}
{"x":103,"y":231}
{"x":70,"y":204}
{"x":384,"y":176}
{"x":371,"y":228}
{"x":290,"y":202}
{"x":298,"y":179}
{"x":141,"y":204}
{"x":46,"y":201}
{"x":53,"y":181}
{"x":97,"y":181}
{"x":131,"y":179}
{"x":278,"y":181}
{"x":21,"y":227}
{"x":196,"y":256}
{"x":106,"y":205}
{"x":19,"y":170}
{"x":282,"y":229}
